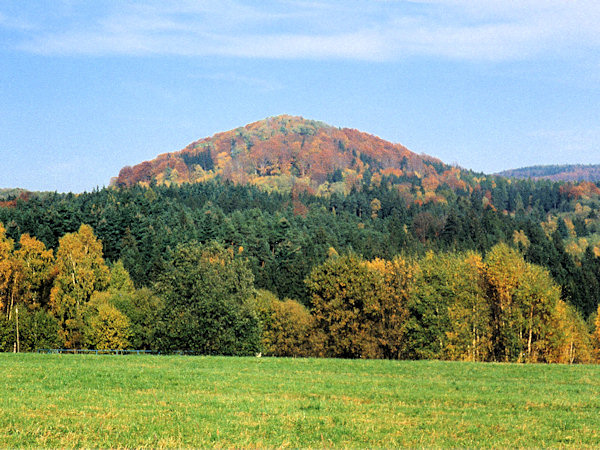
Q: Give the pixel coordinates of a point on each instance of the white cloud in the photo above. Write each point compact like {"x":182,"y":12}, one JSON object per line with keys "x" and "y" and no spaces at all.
{"x":254,"y":82}
{"x":8,"y":22}
{"x":571,"y":144}
{"x":360,"y":30}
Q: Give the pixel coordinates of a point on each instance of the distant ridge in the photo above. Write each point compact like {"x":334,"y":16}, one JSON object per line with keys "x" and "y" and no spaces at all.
{"x":567,"y":172}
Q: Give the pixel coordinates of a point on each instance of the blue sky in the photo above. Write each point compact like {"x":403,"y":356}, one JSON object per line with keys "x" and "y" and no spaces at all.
{"x":89,"y":87}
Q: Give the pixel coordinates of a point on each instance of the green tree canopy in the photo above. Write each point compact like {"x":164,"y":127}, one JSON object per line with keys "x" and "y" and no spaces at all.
{"x":208,"y":293}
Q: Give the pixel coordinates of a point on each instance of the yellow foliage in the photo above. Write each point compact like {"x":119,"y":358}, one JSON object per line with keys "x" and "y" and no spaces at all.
{"x":572,"y":248}
{"x":469,"y":311}
{"x":288,"y":330}
{"x":570,"y":339}
{"x":107,"y":327}
{"x":550,"y":225}
{"x":570,"y":226}
{"x":36,"y":262}
{"x":80,"y":271}
{"x":375,"y":208}
{"x":519,"y":237}
{"x":223,"y":158}
{"x":525,"y":297}
{"x":11,"y":274}
{"x":596,"y":335}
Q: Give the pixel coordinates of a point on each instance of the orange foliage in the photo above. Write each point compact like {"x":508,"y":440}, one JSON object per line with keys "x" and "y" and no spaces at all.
{"x":286,"y":146}
{"x":583,"y":189}
{"x":392,"y":171}
{"x":12,"y":203}
{"x":452,"y":178}
{"x":430,"y":183}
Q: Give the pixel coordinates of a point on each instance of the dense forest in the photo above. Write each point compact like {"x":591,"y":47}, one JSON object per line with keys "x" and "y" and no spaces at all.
{"x":229,"y":269}
{"x":290,"y":237}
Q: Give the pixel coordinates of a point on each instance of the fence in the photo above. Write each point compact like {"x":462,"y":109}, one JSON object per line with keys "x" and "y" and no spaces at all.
{"x":94,"y":352}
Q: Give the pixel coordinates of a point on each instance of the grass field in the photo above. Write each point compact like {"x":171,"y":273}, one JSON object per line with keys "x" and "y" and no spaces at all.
{"x":178,"y":401}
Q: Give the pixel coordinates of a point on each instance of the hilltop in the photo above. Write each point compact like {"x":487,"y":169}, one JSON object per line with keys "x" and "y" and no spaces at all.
{"x":10,"y":193}
{"x":284,"y":151}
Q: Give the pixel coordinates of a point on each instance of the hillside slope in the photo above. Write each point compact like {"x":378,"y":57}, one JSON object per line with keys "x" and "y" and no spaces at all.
{"x":279,"y":152}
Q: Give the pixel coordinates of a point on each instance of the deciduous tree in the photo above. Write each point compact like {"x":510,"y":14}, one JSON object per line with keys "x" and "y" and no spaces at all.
{"x":37,"y":265}
{"x":344,"y":303}
{"x":11,"y":275}
{"x":469,"y":335}
{"x":208,"y":293}
{"x":288,"y":330}
{"x":106,"y":328}
{"x":80,"y":271}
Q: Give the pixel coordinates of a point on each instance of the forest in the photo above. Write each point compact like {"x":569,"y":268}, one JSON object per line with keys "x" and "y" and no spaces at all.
{"x":508,"y":271}
{"x":566,"y":172}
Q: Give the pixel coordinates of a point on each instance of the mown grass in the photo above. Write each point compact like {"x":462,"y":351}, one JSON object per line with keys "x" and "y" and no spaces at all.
{"x":180,"y":401}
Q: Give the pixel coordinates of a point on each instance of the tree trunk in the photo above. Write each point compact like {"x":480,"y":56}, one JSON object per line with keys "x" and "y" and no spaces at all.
{"x":17,"y":320}
{"x":530,"y":332}
{"x":12,"y":302}
{"x":571,"y":357}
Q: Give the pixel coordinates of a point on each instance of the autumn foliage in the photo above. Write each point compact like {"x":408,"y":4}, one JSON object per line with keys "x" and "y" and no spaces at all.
{"x":52,"y":293}
{"x":279,"y":150}
{"x":446,"y":306}
{"x":453,"y":306}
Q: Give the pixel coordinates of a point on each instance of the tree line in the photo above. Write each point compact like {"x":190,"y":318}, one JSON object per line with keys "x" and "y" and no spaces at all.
{"x":442,"y":305}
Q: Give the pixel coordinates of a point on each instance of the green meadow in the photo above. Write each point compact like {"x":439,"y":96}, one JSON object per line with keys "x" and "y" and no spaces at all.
{"x":182,"y":401}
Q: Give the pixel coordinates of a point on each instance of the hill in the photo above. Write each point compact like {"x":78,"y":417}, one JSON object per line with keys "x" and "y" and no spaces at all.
{"x":9,"y":196}
{"x":568,"y":172}
{"x":10,"y":193}
{"x":410,"y":257}
{"x":279,"y":152}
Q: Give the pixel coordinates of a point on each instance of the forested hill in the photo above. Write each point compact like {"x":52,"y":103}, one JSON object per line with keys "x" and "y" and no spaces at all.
{"x":568,"y":172}
{"x":295,"y":238}
{"x":279,"y":152}
{"x":11,"y":193}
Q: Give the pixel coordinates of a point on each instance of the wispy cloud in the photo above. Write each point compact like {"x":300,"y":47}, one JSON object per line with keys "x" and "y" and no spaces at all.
{"x":361,"y":30}
{"x":571,"y":144}
{"x":9,"y":22}
{"x":253,"y":82}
